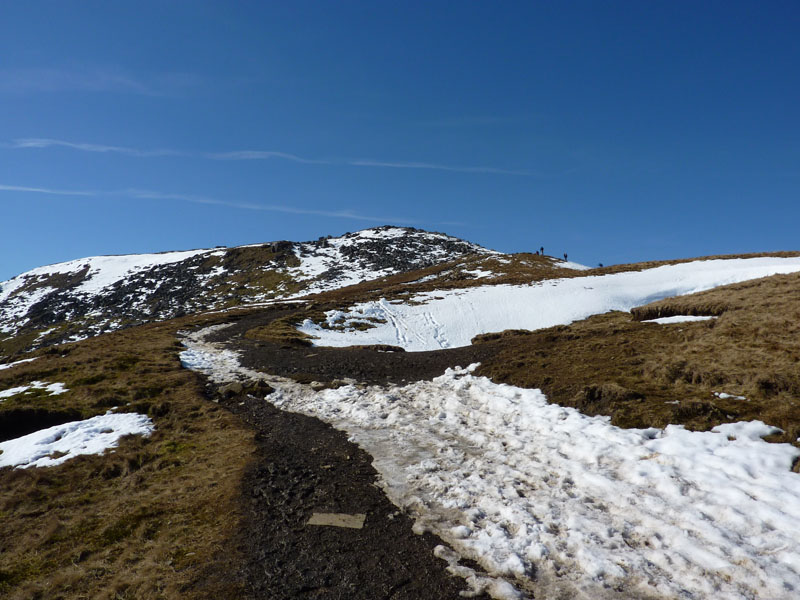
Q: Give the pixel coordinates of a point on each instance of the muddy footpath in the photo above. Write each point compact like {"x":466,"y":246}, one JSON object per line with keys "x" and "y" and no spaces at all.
{"x":305,"y":470}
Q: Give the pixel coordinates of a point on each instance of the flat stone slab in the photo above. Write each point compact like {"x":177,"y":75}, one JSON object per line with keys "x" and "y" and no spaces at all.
{"x":338,"y":520}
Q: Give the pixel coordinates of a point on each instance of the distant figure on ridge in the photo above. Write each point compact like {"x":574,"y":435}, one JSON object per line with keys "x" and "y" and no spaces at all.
{"x":565,"y":256}
{"x":541,"y":250}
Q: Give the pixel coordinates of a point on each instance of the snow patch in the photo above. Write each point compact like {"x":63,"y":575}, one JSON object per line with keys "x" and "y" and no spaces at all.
{"x":451,"y":318}
{"x":19,"y":362}
{"x":724,"y":396}
{"x":103,"y":271}
{"x":326,"y":264}
{"x":566,"y":264}
{"x":480,"y":273}
{"x":53,"y":389}
{"x":679,"y":319}
{"x":55,"y":445}
{"x":211,"y":359}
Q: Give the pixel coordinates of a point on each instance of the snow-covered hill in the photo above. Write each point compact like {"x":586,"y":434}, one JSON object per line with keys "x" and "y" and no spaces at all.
{"x":71,"y":300}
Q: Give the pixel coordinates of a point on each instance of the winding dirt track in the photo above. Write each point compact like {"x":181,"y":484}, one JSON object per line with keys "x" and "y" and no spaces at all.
{"x":303,"y":466}
{"x":330,"y":364}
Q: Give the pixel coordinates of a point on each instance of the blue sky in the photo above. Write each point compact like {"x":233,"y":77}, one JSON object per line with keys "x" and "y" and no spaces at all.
{"x":614,"y":131}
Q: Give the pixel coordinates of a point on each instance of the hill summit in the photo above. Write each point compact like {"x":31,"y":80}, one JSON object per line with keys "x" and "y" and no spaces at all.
{"x":72,"y":300}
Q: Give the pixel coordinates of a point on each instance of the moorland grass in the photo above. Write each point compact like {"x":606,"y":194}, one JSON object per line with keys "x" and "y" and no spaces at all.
{"x":149,"y":519}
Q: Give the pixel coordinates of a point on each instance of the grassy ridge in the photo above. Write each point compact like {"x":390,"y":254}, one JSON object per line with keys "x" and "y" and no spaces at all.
{"x":149,"y":518}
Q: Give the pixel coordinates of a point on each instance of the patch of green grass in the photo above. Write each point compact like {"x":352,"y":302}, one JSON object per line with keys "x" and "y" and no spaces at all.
{"x":11,"y":346}
{"x":281,"y":331}
{"x":126,"y":525}
{"x":32,"y":568}
{"x":364,"y":325}
{"x":177,"y":447}
{"x":91,"y":379}
{"x":125,"y":363}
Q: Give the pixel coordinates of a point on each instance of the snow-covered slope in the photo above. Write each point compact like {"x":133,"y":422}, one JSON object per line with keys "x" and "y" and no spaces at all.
{"x":373,"y":253}
{"x":83,"y":297}
{"x":448,"y":319}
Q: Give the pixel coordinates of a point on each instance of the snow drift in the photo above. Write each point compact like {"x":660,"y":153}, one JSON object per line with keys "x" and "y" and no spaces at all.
{"x":448,"y":319}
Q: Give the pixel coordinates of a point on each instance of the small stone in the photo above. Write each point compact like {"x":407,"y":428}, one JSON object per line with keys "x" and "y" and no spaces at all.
{"x":355,"y":521}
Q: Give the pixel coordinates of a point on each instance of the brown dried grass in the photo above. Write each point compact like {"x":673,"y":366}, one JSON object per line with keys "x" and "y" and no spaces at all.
{"x":147,"y":520}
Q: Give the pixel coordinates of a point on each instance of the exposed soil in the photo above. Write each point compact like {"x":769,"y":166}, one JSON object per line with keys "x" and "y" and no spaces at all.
{"x":329,"y":365}
{"x":302,"y":466}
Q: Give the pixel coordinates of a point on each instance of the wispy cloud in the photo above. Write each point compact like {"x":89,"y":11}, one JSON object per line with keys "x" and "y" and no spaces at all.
{"x":433,"y":166}
{"x":263,"y":155}
{"x":40,"y":190}
{"x":341,"y":214}
{"x":141,"y":194}
{"x":48,"y":143}
{"x":92,"y":79}
{"x":478,"y":121}
{"x":363,"y":162}
{"x":249,"y":155}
